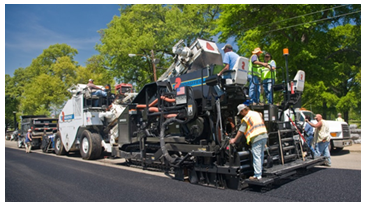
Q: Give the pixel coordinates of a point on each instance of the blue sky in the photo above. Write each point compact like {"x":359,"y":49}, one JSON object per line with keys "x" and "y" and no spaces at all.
{"x":31,"y":28}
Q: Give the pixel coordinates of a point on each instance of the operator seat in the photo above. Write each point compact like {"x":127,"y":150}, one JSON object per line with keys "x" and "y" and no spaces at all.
{"x":90,"y":99}
{"x":239,"y":73}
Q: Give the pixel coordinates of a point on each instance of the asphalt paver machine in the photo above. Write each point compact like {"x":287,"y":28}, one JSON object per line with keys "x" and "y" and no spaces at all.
{"x":183,"y":122}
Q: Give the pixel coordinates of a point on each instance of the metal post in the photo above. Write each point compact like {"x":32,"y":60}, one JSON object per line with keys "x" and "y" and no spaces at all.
{"x":285,"y":53}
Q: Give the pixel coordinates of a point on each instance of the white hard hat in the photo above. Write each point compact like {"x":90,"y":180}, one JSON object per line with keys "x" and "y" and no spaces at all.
{"x":240,"y":108}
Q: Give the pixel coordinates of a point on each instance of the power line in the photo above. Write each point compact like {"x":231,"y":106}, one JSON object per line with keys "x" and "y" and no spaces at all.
{"x":296,"y":17}
{"x":315,"y":21}
{"x":307,"y":14}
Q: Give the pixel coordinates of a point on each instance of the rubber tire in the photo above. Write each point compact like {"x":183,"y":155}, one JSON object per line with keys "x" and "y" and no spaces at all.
{"x":93,"y":150}
{"x":59,"y":146}
{"x":44,"y":145}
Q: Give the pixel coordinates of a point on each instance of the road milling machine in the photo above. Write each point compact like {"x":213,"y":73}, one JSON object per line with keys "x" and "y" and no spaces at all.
{"x":183,"y":122}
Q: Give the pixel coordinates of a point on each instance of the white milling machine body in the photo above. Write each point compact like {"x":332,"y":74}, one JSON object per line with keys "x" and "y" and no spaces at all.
{"x":84,"y":127}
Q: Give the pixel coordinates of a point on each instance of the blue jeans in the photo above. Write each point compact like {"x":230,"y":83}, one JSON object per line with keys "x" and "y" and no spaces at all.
{"x":254,"y":88}
{"x":258,"y":156}
{"x":315,"y":151}
{"x":324,"y":151}
{"x":99,"y":93}
{"x":267,"y":86}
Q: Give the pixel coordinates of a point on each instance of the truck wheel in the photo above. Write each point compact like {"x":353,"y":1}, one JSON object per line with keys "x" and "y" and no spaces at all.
{"x":90,"y":145}
{"x":44,"y":145}
{"x":59,"y":147}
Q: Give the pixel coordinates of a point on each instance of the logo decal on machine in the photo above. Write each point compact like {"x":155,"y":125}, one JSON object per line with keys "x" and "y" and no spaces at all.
{"x":177,"y":82}
{"x":193,"y":82}
{"x":66,"y":117}
{"x":209,"y":47}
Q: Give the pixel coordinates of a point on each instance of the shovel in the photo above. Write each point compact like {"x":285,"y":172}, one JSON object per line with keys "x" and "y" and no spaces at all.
{"x":269,"y":159}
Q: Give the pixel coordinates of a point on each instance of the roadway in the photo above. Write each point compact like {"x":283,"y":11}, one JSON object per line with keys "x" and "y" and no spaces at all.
{"x":39,"y":177}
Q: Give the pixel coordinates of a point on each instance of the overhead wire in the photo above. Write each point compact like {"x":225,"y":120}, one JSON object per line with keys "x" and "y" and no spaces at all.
{"x":296,"y":17}
{"x":315,"y":21}
{"x":304,"y":15}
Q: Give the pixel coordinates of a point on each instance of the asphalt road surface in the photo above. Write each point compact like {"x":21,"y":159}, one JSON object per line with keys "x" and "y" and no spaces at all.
{"x":38,"y":177}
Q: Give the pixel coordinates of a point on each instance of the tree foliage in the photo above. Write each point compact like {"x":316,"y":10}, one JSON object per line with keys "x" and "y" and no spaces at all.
{"x":324,"y":40}
{"x":149,"y":27}
{"x":96,"y":70}
{"x":42,"y":87}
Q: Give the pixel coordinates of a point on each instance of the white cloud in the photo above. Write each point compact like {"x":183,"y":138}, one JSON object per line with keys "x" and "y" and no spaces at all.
{"x":33,"y":36}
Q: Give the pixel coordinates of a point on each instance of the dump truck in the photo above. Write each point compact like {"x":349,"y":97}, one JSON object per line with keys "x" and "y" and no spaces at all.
{"x":40,"y":125}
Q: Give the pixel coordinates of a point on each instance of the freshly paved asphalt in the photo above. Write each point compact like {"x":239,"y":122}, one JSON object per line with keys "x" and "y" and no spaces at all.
{"x":39,"y":177}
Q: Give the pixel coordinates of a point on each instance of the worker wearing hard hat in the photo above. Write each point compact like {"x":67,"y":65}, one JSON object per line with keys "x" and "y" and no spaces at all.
{"x":254,"y":129}
{"x":253,"y":75}
{"x":339,"y":118}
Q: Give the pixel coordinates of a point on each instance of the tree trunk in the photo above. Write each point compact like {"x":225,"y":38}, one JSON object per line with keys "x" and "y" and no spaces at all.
{"x":346,"y":116}
{"x":324,"y":115}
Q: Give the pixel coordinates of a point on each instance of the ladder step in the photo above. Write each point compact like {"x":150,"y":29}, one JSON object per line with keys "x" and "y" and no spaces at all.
{"x":288,"y":148}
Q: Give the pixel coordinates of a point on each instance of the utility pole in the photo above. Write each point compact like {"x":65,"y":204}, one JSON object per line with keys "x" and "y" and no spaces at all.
{"x":153,"y":64}
{"x":152,"y":58}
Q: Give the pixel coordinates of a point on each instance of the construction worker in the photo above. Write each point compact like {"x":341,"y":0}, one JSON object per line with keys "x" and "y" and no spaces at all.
{"x":322,"y":137}
{"x":253,"y":75}
{"x":28,"y":139}
{"x":252,"y":126}
{"x":230,"y":58}
{"x":95,"y":90}
{"x":339,"y":117}
{"x":268,"y":75}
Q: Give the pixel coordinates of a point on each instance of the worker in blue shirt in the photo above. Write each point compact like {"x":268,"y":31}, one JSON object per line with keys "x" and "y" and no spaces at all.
{"x":309,"y":136}
{"x":28,"y":139}
{"x":230,"y":58}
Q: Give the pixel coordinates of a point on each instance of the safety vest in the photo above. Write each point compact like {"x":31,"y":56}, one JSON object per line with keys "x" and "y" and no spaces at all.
{"x":266,"y":72}
{"x":255,"y":125}
{"x":253,"y":67}
{"x":339,"y":119}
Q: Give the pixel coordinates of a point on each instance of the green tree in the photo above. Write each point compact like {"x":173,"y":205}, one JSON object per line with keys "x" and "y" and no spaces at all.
{"x":316,"y":35}
{"x":143,"y":28}
{"x":96,"y":70}
{"x":41,"y":93}
{"x":11,"y":102}
{"x":44,"y":83}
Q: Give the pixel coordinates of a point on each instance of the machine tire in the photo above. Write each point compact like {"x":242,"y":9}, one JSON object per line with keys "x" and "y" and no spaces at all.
{"x":90,"y":145}
{"x":59,"y":147}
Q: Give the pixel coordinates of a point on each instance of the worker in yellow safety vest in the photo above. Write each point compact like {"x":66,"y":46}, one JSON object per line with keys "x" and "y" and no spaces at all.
{"x":268,"y":75}
{"x":253,"y":75}
{"x":339,"y":117}
{"x":252,"y":126}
